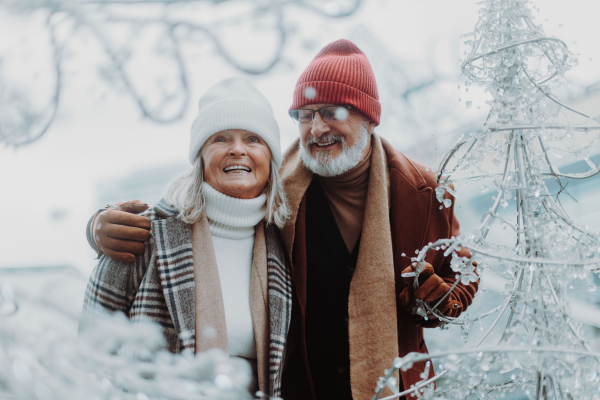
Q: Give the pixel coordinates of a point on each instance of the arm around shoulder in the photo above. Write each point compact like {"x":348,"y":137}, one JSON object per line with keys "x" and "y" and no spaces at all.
{"x":118,"y":231}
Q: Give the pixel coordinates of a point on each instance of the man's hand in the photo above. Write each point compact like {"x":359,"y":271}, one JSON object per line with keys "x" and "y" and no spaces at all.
{"x":431,"y":289}
{"x":119,"y":232}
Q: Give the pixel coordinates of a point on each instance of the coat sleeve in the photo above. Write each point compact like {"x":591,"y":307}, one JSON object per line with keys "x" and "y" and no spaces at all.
{"x":113,"y":284}
{"x":462,"y":293}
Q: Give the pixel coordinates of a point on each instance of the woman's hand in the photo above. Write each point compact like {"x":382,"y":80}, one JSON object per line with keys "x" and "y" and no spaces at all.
{"x":119,"y":233}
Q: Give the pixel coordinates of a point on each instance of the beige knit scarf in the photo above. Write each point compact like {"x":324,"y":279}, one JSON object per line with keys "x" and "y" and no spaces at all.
{"x":372,"y":304}
{"x":211,"y":328}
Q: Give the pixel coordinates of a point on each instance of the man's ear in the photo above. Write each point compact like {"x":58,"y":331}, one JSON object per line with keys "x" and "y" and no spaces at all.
{"x":372,"y":126}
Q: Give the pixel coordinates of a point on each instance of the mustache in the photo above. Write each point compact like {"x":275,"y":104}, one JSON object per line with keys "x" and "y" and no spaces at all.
{"x":324,"y":139}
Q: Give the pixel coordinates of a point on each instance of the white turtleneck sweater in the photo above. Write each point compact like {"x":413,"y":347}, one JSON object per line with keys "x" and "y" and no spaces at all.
{"x":231,"y":222}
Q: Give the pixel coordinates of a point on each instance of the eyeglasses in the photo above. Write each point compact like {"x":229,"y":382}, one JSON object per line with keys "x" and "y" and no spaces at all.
{"x":330,"y":114}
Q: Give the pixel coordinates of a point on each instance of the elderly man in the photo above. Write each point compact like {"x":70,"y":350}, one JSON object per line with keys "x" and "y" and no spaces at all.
{"x":360,"y":209}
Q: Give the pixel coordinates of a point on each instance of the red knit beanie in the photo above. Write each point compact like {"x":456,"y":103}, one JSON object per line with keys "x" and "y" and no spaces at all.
{"x":339,"y":74}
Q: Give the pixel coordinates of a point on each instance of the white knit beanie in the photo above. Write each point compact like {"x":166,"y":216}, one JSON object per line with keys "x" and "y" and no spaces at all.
{"x":235,"y":103}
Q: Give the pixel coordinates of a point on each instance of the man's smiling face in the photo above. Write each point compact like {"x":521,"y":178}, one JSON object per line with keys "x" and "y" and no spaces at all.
{"x":332,"y":148}
{"x":322,"y":137}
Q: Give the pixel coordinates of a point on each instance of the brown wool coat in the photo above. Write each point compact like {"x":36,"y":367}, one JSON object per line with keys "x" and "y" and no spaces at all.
{"x":379,"y":330}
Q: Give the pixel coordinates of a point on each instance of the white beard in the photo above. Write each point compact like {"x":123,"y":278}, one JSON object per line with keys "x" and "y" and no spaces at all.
{"x":326,"y":166}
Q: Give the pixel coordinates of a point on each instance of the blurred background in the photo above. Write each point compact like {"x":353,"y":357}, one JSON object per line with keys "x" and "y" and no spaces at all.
{"x":97,"y":99}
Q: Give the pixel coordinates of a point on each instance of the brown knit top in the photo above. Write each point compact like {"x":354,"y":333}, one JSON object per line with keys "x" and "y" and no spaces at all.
{"x":347,"y":196}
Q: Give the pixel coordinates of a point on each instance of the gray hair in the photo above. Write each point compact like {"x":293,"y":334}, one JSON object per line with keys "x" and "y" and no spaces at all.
{"x":184,"y":192}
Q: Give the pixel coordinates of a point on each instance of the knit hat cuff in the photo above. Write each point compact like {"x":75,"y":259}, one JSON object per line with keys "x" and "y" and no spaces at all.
{"x":338,"y":93}
{"x":235,"y":114}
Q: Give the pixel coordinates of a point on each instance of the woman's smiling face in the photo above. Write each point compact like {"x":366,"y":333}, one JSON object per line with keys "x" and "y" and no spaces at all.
{"x":236,"y":163}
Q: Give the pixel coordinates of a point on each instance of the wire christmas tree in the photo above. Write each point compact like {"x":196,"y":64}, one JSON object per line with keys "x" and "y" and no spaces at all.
{"x":539,"y":346}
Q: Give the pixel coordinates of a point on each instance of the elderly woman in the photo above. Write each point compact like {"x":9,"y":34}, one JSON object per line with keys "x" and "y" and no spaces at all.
{"x":214,"y":273}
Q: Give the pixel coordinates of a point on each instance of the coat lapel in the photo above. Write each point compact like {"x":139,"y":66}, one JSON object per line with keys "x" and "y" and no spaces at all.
{"x":173,"y":241}
{"x":280,"y":305}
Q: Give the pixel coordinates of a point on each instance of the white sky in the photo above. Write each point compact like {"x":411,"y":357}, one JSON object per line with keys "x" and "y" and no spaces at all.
{"x":100,"y":134}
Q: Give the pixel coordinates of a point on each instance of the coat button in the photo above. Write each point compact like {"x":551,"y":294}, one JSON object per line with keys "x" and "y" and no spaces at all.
{"x":341,"y":370}
{"x":349,"y":270}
